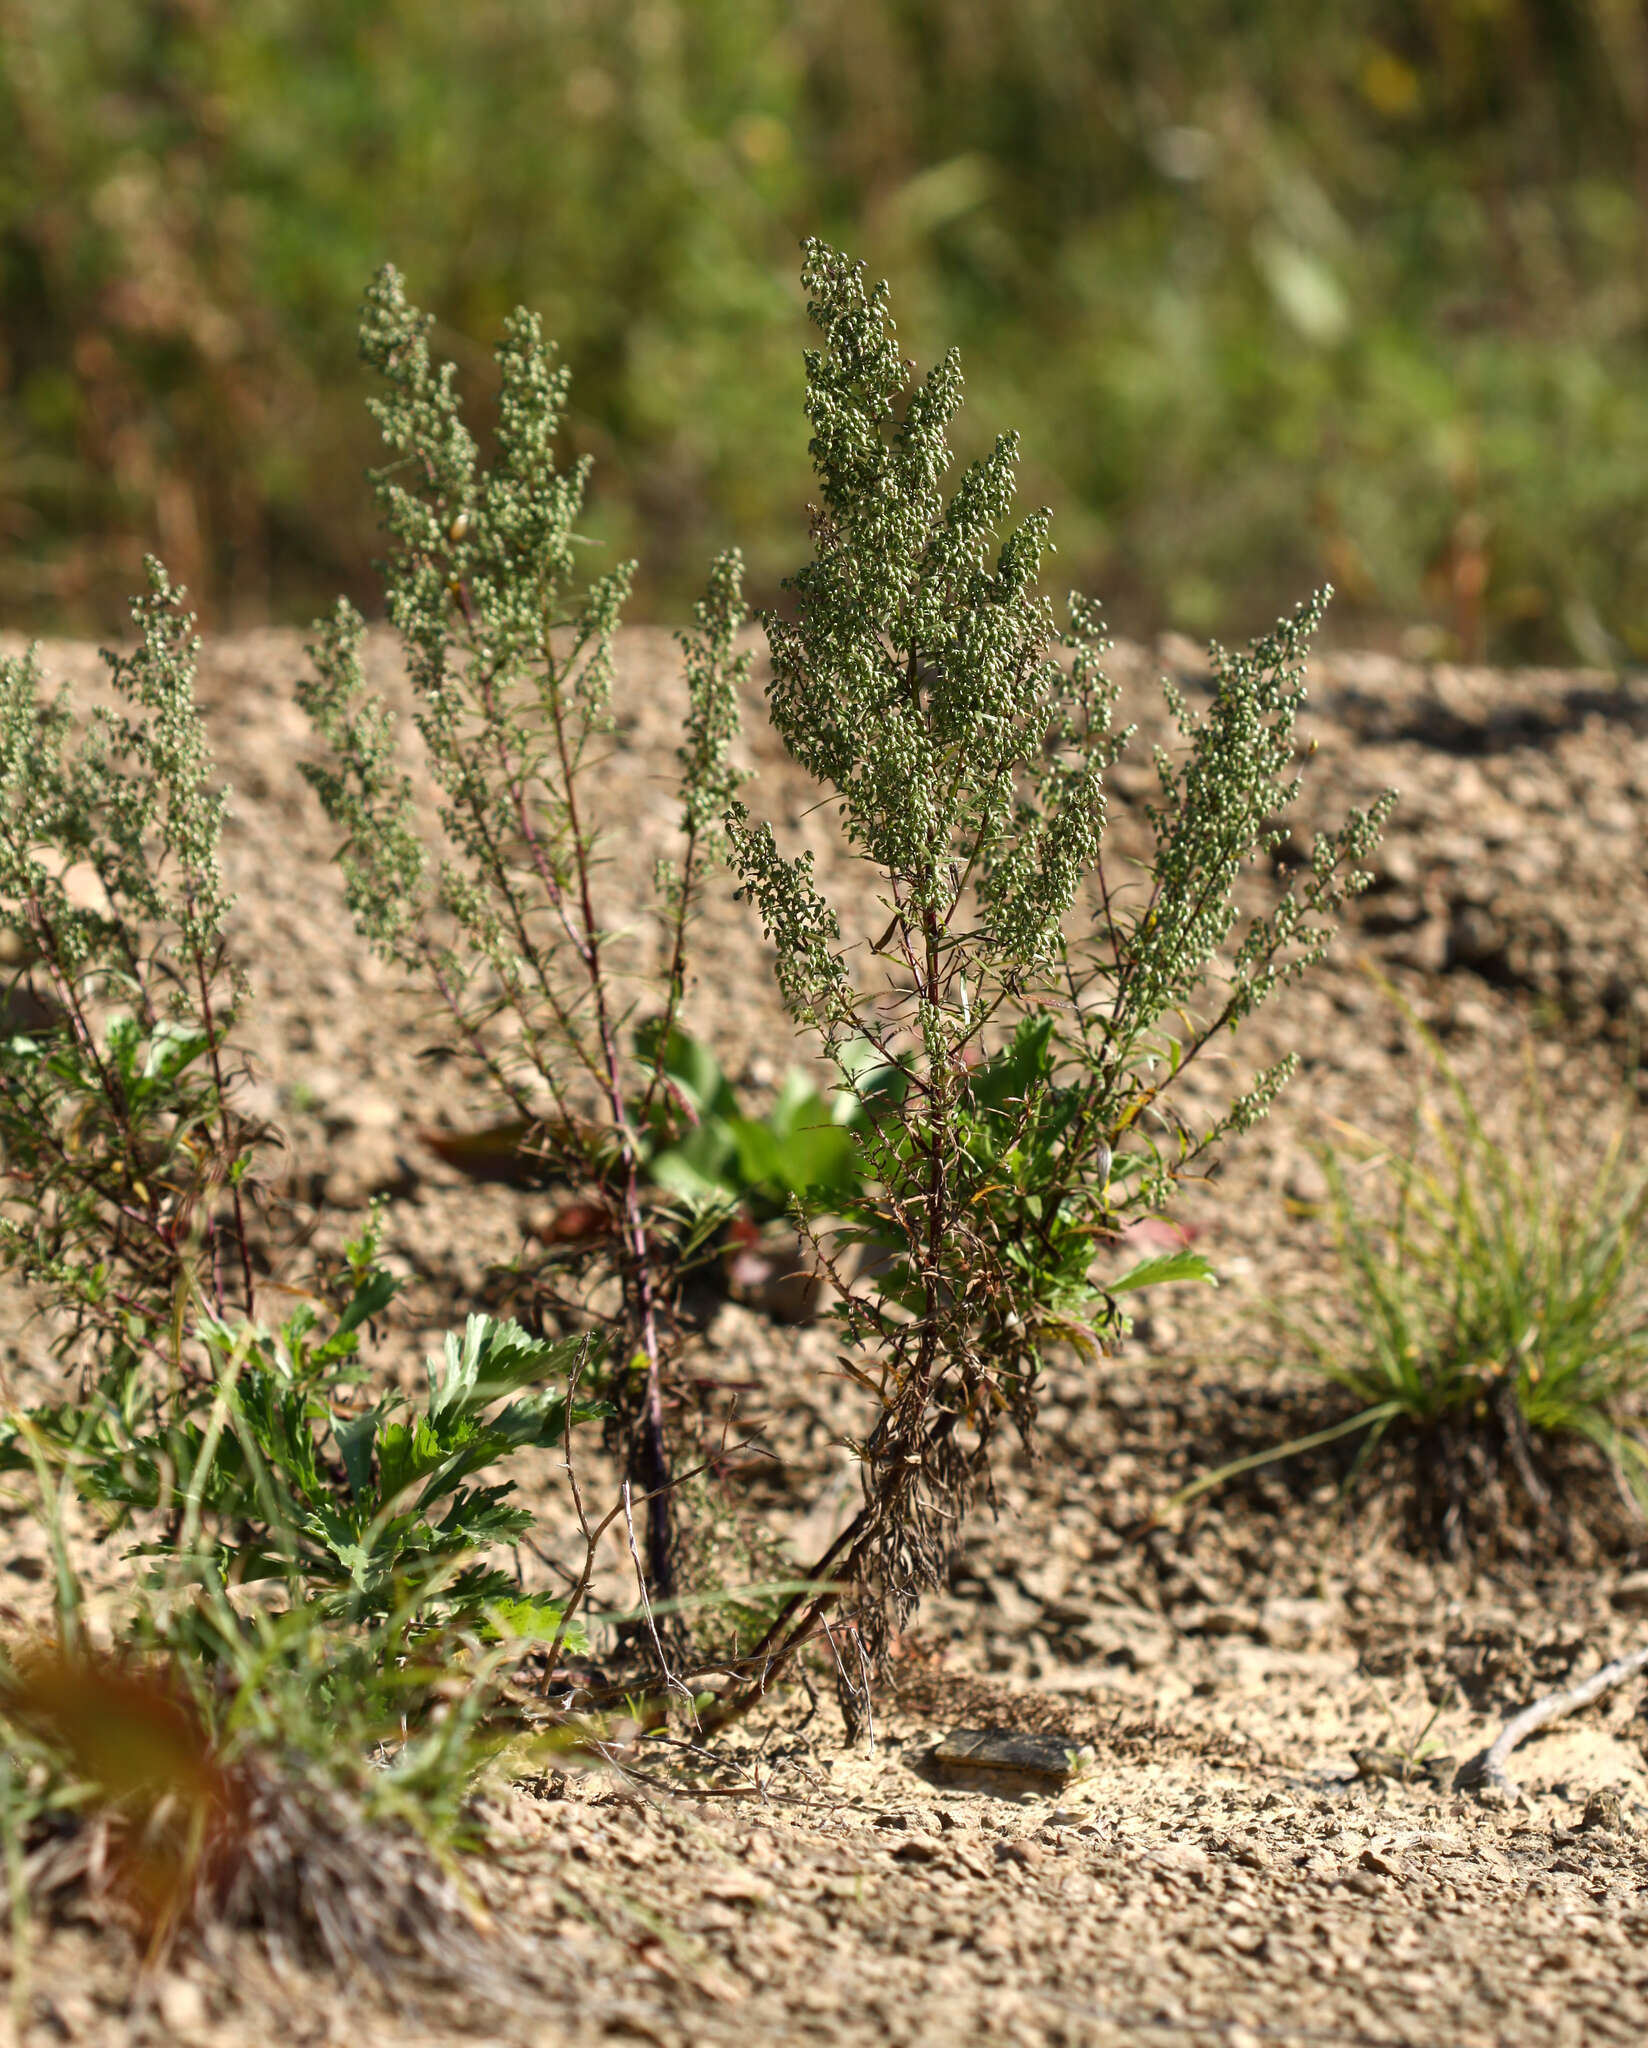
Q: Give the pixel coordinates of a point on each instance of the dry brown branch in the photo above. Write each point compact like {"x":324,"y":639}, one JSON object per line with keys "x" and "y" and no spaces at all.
{"x":1488,"y":1770}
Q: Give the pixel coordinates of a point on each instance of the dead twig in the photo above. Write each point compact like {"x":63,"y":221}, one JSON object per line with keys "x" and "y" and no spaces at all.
{"x":859,"y":1691}
{"x":624,"y":1505}
{"x":1488,"y":1770}
{"x":671,"y":1682}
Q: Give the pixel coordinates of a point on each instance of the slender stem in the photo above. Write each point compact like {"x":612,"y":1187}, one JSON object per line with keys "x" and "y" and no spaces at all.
{"x":639,"y":1278}
{"x":68,"y":996}
{"x":938,"y":1113}
{"x":518,"y":1096}
{"x":676,"y":982}
{"x":498,"y":867}
{"x":779,"y":1645}
{"x":220,"y":1088}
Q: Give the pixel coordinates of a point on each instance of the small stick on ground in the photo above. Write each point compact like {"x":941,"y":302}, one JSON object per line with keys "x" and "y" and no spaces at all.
{"x":671,"y":1682}
{"x":624,"y":1506}
{"x":1488,"y":1770}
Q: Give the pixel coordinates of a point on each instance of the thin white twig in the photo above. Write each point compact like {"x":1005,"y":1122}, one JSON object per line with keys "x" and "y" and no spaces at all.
{"x":592,"y":1536}
{"x":1488,"y":1770}
{"x":671,"y":1682}
{"x":861,"y":1690}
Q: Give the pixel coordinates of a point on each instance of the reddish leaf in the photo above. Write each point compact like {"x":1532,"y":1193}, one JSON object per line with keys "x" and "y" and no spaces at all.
{"x":499,"y":1154}
{"x":1157,"y":1231}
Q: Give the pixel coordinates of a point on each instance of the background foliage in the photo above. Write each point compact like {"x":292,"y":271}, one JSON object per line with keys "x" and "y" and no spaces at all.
{"x":1276,"y":291}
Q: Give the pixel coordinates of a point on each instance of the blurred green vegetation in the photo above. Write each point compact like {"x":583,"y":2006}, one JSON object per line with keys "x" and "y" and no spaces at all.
{"x":1277,"y":290}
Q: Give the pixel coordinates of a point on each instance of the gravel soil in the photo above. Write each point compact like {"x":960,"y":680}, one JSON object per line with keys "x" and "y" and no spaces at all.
{"x":1244,"y":1859}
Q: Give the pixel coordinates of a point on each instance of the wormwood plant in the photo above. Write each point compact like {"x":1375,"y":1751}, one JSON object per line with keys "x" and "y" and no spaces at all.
{"x":1013,"y":1011}
{"x":510,"y":659}
{"x":124,"y":1159}
{"x":269,"y":1470}
{"x":318,"y":1566}
{"x":123,"y":1166}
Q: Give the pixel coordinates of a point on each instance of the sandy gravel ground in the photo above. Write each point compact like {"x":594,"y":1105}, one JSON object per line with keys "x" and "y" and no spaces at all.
{"x":1226,"y":1870}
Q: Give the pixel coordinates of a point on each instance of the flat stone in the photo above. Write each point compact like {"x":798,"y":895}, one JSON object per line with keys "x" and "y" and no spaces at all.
{"x":1004,"y":1759}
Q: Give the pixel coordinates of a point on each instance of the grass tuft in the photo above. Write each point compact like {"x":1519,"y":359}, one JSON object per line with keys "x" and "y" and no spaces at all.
{"x":1491,"y":1307}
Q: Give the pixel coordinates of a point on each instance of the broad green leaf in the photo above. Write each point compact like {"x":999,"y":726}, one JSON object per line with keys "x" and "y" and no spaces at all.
{"x":799,"y":1104}
{"x":699,"y":1163}
{"x":1163,"y":1270}
{"x":693,"y":1068}
{"x":760,"y":1158}
{"x":819,"y":1159}
{"x":172,"y":1049}
{"x":677,"y":1175}
{"x":533,"y":1621}
{"x":371,"y":1298}
{"x":407,"y":1452}
{"x":1008,"y":1076}
{"x":356,"y":1440}
{"x":454,"y":1373}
